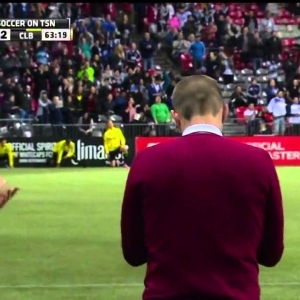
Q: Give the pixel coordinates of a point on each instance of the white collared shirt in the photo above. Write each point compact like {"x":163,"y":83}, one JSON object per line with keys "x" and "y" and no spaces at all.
{"x":277,"y":107}
{"x":202,"y":128}
{"x":250,"y":113}
{"x":295,"y":110}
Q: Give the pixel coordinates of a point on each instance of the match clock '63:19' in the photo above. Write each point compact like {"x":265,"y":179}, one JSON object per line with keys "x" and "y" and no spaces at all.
{"x":56,"y":35}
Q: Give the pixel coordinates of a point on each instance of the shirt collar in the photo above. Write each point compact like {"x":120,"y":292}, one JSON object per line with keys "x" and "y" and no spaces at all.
{"x":197,"y":128}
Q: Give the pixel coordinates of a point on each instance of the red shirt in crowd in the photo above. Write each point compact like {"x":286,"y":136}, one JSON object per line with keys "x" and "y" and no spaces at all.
{"x":91,"y":104}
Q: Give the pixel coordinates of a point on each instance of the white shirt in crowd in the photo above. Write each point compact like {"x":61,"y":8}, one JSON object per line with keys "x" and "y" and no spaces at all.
{"x":183,"y":17}
{"x":268,"y":25}
{"x":277,"y":107}
{"x":295,"y":110}
{"x":250,"y":114}
{"x":227,"y":70}
{"x":170,"y":9}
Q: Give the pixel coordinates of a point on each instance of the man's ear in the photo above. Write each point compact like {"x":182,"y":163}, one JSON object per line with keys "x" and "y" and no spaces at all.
{"x":175,"y":115}
{"x":225,"y":112}
{"x":176,"y":118}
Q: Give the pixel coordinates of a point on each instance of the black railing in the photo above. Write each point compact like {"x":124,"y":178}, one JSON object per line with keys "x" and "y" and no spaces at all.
{"x":73,"y":131}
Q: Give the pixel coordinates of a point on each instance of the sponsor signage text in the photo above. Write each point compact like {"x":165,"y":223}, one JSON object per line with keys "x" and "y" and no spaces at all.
{"x":284,"y":151}
{"x":89,"y":152}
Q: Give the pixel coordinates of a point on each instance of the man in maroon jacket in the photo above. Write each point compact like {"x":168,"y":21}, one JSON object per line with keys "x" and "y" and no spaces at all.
{"x":202,"y":211}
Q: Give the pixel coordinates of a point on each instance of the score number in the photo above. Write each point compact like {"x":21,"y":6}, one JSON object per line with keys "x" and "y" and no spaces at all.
{"x":5,"y":35}
{"x":56,"y":35}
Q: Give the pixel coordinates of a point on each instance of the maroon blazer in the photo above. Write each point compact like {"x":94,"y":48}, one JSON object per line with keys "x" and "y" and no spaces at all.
{"x":202,"y":211}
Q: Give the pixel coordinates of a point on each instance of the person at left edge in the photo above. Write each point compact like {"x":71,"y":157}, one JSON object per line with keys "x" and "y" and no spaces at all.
{"x":7,"y":153}
{"x":114,"y":144}
{"x":62,"y":150}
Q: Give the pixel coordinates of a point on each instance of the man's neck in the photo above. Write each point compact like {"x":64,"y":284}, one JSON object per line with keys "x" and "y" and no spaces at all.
{"x":207,"y":120}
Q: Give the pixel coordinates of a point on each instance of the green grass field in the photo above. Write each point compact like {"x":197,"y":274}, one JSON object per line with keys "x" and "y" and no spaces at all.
{"x":60,"y":238}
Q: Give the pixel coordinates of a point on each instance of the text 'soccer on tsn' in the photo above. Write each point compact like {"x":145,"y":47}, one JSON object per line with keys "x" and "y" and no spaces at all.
{"x":36,"y":30}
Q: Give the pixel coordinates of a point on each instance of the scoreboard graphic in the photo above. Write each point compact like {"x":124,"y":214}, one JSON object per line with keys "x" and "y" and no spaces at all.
{"x":35,"y":30}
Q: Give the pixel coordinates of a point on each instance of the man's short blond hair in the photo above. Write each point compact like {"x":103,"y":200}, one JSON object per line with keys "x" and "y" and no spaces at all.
{"x":197,"y":95}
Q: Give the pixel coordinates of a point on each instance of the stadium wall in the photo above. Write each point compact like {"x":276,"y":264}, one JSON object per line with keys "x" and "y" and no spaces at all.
{"x":37,"y":151}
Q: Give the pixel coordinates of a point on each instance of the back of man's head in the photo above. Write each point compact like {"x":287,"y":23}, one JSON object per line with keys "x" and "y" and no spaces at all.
{"x":197,"y":95}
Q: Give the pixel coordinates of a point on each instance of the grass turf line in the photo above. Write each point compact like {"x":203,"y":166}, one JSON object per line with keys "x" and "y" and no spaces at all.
{"x":60,"y":238}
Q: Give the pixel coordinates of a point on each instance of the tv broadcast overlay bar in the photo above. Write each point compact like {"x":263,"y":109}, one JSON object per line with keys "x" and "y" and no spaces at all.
{"x":35,"y":23}
{"x":56,"y":34}
{"x":5,"y":34}
{"x":284,"y":150}
{"x":25,"y":35}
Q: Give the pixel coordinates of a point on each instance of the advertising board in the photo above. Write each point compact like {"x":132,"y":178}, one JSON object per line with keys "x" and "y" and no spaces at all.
{"x":89,"y":152}
{"x":284,"y":150}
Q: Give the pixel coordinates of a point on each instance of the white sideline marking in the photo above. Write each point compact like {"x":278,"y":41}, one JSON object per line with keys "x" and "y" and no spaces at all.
{"x":114,"y":285}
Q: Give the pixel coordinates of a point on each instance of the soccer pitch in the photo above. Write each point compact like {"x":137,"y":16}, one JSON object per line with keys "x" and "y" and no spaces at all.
{"x":60,"y":238}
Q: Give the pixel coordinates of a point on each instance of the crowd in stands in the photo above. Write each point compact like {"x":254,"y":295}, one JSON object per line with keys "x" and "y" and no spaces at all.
{"x":109,"y":70}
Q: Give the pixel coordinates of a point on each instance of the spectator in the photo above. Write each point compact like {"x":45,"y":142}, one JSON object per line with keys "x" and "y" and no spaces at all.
{"x":197,"y":51}
{"x":86,"y":48}
{"x":243,"y":44}
{"x":253,"y":92}
{"x":206,"y":18}
{"x":170,"y":10}
{"x":267,"y":26}
{"x":271,"y":90}
{"x":181,"y":45}
{"x":109,"y":105}
{"x":251,"y":22}
{"x":87,"y":36}
{"x":228,"y":68}
{"x":96,"y":31}
{"x":133,"y":56}
{"x":126,"y":40}
{"x":125,"y":26}
{"x":277,"y":107}
{"x":108,"y":25}
{"x":147,"y":49}
{"x":26,"y":104}
{"x":171,"y":36}
{"x":237,"y":99}
{"x":213,"y":65}
{"x":190,"y":26}
{"x":152,"y":17}
{"x":229,"y":38}
{"x":70,"y":111}
{"x":272,"y":8}
{"x":43,"y":113}
{"x":130,"y":111}
{"x":10,"y":108}
{"x":41,"y":56}
{"x":257,"y":52}
{"x":155,"y":89}
{"x":293,"y":113}
{"x":224,"y":9}
{"x":183,"y":15}
{"x":86,"y":72}
{"x":110,"y":10}
{"x":55,"y":111}
{"x":118,"y":58}
{"x":174,"y":22}
{"x":160,"y":112}
{"x":250,"y":115}
{"x":289,"y":68}
{"x":274,"y":47}
{"x":55,"y":82}
{"x":222,"y":30}
{"x":86,"y":125}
